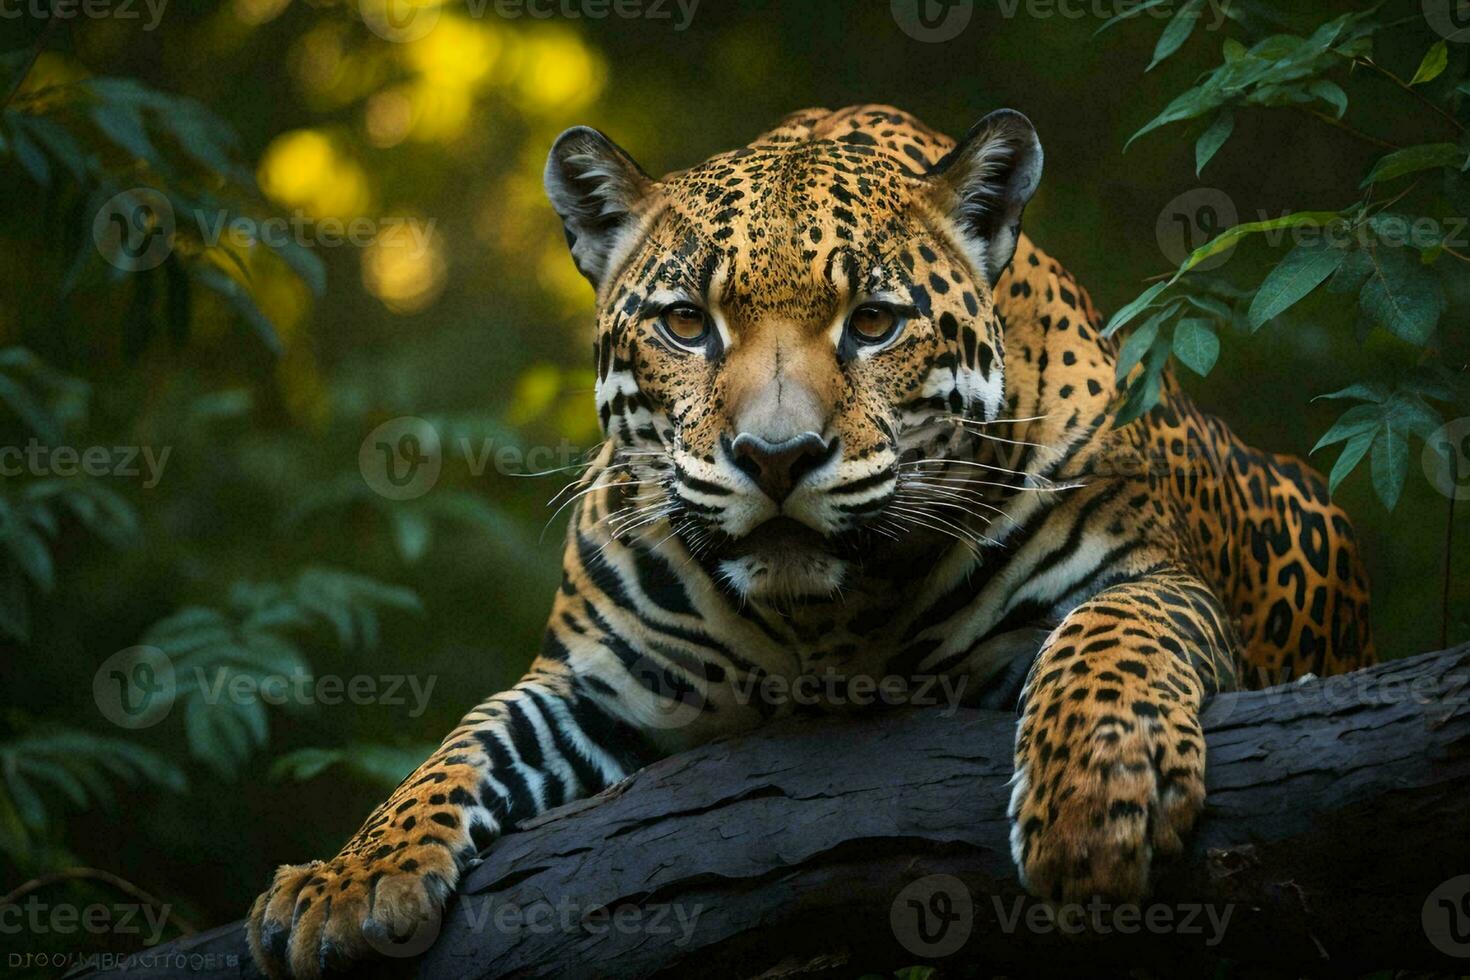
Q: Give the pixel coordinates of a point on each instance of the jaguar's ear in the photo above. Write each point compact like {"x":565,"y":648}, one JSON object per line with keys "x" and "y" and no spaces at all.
{"x":983,"y":184}
{"x":595,"y":187}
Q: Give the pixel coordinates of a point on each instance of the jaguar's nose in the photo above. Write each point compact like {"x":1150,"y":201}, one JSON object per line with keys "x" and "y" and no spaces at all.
{"x":778,"y":467}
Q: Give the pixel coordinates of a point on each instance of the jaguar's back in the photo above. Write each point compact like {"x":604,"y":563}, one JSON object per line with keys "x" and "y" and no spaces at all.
{"x":1258,"y":526}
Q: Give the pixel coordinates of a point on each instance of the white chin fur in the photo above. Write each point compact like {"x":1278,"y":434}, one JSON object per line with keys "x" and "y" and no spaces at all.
{"x":779,"y":579}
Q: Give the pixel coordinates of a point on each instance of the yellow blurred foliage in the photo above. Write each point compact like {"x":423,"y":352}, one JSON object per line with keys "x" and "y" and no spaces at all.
{"x":457,"y":53}
{"x":331,"y":70}
{"x":439,"y":113}
{"x":307,"y":169}
{"x":558,"y":276}
{"x":405,"y":266}
{"x":561,"y":397}
{"x":51,"y":69}
{"x":558,"y":73}
{"x":535,"y":390}
{"x":387,"y":116}
{"x":257,"y":12}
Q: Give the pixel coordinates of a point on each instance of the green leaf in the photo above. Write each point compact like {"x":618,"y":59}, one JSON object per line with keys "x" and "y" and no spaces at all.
{"x":1413,"y":159}
{"x":1331,"y":93}
{"x":15,"y":605}
{"x":1278,"y":70}
{"x":304,"y":764}
{"x":1356,"y":267}
{"x":1143,"y":393}
{"x":1212,"y":139}
{"x":412,"y":533}
{"x":1129,"y":312}
{"x":1411,"y":413}
{"x":58,"y":141}
{"x":1352,"y":454}
{"x":1193,"y":102}
{"x":27,"y":800}
{"x":1354,"y":422}
{"x":30,"y":157}
{"x":1130,"y":11}
{"x":1177,"y":31}
{"x":29,"y":551}
{"x":303,"y":262}
{"x":1230,"y":236}
{"x":1366,"y":391}
{"x":1196,"y":345}
{"x":1139,"y":343}
{"x":1435,"y":60}
{"x":31,"y":410}
{"x":1216,"y":308}
{"x":123,"y":124}
{"x":1294,"y":277}
{"x":383,"y":764}
{"x":239,"y":299}
{"x":1390,"y":464}
{"x":1232,"y":50}
{"x":215,"y":735}
{"x":1402,"y":295}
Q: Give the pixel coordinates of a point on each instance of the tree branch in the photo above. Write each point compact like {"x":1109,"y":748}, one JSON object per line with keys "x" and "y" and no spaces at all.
{"x":1336,"y":808}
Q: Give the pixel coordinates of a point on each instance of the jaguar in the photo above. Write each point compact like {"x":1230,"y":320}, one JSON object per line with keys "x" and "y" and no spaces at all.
{"x":858,"y":426}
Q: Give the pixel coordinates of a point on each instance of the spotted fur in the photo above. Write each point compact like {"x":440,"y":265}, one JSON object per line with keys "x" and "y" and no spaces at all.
{"x":946,"y":497}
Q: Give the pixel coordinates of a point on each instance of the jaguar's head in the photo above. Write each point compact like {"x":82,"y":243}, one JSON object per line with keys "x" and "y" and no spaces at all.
{"x":789,"y":332}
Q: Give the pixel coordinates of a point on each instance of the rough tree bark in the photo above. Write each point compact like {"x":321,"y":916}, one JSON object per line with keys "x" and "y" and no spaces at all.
{"x":1337,"y":812}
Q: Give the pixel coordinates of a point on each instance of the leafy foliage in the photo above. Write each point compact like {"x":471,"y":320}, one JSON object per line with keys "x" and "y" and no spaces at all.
{"x":46,"y":404}
{"x":1395,"y":262}
{"x":76,"y":766}
{"x":225,"y":660}
{"x":384,"y":766}
{"x":81,"y":132}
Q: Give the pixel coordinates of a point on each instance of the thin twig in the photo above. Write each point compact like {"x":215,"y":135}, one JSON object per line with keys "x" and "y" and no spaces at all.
{"x":106,"y":877}
{"x":1412,"y":91}
{"x":1397,"y":197}
{"x":1336,"y":123}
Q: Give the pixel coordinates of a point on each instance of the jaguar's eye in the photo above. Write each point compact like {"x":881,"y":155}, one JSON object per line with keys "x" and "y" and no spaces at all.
{"x":872,"y":324}
{"x":686,"y":324}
